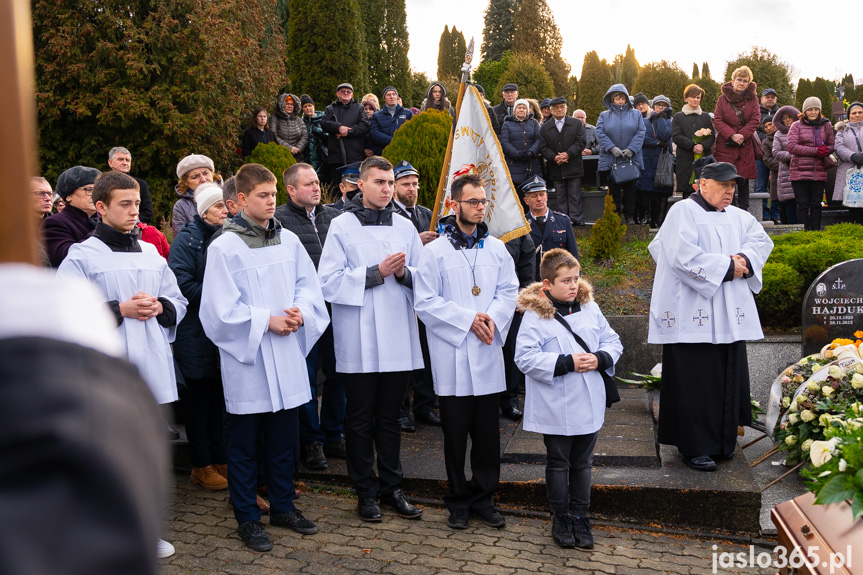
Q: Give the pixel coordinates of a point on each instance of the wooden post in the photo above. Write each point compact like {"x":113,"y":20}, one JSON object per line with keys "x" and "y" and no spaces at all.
{"x":17,"y":133}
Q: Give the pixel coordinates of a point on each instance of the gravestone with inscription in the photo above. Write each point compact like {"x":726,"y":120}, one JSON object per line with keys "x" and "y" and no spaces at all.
{"x":833,"y":306}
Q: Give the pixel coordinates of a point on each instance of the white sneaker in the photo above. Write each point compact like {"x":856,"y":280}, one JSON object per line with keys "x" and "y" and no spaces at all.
{"x":164,"y":549}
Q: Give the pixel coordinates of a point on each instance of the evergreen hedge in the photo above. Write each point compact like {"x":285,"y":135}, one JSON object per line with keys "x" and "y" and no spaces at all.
{"x":277,"y":159}
{"x":422,"y":141}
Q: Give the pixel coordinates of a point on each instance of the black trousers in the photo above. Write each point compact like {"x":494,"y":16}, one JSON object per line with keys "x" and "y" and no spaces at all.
{"x":808,"y":194}
{"x":623,"y":196}
{"x":422,"y":381}
{"x":280,"y":433}
{"x":474,"y":417}
{"x":567,"y":472}
{"x":741,"y":200}
{"x":205,"y":421}
{"x":514,"y":377}
{"x":568,"y":194}
{"x":372,"y":425}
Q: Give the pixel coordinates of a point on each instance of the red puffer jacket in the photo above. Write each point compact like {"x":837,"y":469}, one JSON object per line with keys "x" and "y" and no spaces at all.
{"x":803,"y":141}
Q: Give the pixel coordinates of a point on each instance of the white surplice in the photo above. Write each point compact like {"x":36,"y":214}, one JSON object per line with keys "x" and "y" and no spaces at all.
{"x":690,"y":302}
{"x":462,"y":365}
{"x":262,"y":372}
{"x":119,"y":276}
{"x":375,"y":329}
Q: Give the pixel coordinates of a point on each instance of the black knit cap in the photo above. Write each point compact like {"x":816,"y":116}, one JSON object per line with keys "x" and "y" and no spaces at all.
{"x":306,"y":99}
{"x":639,"y":99}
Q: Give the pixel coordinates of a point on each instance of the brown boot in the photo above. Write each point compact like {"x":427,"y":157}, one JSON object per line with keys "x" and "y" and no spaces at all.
{"x":221,"y":469}
{"x":208,"y":478}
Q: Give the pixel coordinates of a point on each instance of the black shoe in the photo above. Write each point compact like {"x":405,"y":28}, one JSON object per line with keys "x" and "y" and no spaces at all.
{"x":398,"y":503}
{"x":173,"y":434}
{"x":581,"y":532}
{"x":490,"y":517}
{"x":428,"y":417}
{"x":722,"y":457}
{"x":457,"y":519}
{"x":293,"y":520}
{"x":512,"y":413}
{"x":368,"y":510}
{"x":336,"y":449}
{"x":315,"y":456}
{"x":699,"y":462}
{"x":561,"y":531}
{"x":253,"y":535}
{"x":408,"y":425}
{"x":579,"y":223}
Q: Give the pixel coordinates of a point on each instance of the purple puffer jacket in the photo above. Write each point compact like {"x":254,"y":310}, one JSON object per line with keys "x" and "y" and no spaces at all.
{"x":846,"y":144}
{"x":803,"y":142}
{"x":781,"y":153}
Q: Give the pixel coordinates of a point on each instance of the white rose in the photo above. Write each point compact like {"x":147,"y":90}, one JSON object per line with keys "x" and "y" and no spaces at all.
{"x":786,"y":401}
{"x":824,"y":420}
{"x":813,"y":386}
{"x":820,"y":452}
{"x":857,"y":381}
{"x":859,"y":368}
{"x":835,"y":371}
{"x":793,"y":406}
{"x":843,"y":465}
{"x":807,"y":415}
{"x":791,"y":440}
{"x":806,"y":445}
{"x":793,"y":419}
{"x":827,"y":390}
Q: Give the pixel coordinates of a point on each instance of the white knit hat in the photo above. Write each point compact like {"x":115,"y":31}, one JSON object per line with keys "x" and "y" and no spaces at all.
{"x":206,"y":195}
{"x":811,"y":102}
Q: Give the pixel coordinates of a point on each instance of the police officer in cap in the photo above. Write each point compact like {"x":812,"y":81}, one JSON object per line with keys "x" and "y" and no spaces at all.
{"x":548,"y":229}
{"x":405,"y":200}
{"x":348,"y":184}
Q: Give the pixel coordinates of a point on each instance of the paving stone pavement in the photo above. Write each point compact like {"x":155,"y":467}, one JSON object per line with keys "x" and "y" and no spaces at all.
{"x":204,"y":532}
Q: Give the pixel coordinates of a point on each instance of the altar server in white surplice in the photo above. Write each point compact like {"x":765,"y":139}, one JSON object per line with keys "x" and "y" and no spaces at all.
{"x":709,"y":257}
{"x":365,"y":272}
{"x":137,"y":283}
{"x":465,"y":291}
{"x":261,"y":304}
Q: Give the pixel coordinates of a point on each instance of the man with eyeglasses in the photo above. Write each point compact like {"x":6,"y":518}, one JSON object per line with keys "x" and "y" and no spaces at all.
{"x":76,"y":221}
{"x":43,"y":202}
{"x":465,"y":288}
{"x":347,"y":123}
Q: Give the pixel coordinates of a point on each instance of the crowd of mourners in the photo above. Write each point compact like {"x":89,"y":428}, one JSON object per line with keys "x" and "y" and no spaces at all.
{"x":372,"y":302}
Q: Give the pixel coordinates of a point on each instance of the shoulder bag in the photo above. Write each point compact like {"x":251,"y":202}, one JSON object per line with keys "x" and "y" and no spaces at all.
{"x":756,"y":141}
{"x":852,"y":195}
{"x":612,"y":396}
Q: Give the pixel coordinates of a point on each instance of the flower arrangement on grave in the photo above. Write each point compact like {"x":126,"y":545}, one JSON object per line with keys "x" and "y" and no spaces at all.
{"x":815,"y":392}
{"x":836,"y":471}
{"x":698,"y":137}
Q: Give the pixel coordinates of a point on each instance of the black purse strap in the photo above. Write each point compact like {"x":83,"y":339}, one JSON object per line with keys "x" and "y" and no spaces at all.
{"x":739,"y":114}
{"x":578,"y":340}
{"x":856,"y":139}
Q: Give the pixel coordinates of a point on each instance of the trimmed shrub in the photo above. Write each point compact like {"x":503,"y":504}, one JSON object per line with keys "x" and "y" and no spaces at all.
{"x":532,"y":79}
{"x":277,"y":159}
{"x":606,"y":236}
{"x":422,"y":141}
{"x":780,"y":298}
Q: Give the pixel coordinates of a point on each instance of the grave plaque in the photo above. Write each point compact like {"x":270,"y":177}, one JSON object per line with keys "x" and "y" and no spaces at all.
{"x":833,"y":306}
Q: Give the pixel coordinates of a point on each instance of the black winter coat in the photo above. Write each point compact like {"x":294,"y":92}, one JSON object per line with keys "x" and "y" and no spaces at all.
{"x":424,"y":216}
{"x":571,"y":140}
{"x":522,"y":250}
{"x":350,"y":148}
{"x":196,"y":355}
{"x":683,"y":128}
{"x":520,"y":142}
{"x":312,"y":235}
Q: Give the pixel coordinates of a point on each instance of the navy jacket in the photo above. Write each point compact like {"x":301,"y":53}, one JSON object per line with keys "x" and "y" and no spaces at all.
{"x":424,"y":216}
{"x":383,"y":125}
{"x":657,"y":136}
{"x":557,"y":234}
{"x":196,"y":355}
{"x":520,"y":142}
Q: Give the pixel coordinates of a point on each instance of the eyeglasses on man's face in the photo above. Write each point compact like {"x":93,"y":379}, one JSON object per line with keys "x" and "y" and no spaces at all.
{"x":474,"y":203}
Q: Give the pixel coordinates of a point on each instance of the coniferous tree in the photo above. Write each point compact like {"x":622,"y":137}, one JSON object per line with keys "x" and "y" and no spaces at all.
{"x":498,"y":30}
{"x":705,"y":70}
{"x":594,"y":82}
{"x":317,"y":61}
{"x":158,"y":79}
{"x":821,"y":89}
{"x":444,"y":52}
{"x":666,"y":78}
{"x":630,"y":69}
{"x":488,"y":73}
{"x":386,"y":35}
{"x":804,"y":90}
{"x":537,"y":35}
{"x":695,"y":73}
{"x":531,"y":77}
{"x":451,"y":50}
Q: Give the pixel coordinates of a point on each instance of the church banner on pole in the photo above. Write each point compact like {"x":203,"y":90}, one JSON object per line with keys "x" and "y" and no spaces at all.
{"x":474,"y":148}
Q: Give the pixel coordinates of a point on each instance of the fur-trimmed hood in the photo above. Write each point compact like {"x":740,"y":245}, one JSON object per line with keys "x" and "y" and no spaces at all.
{"x":780,"y":113}
{"x":842,"y":125}
{"x":532,"y":299}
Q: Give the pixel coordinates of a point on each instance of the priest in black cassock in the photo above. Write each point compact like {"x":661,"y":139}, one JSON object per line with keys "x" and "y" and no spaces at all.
{"x":709,"y":257}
